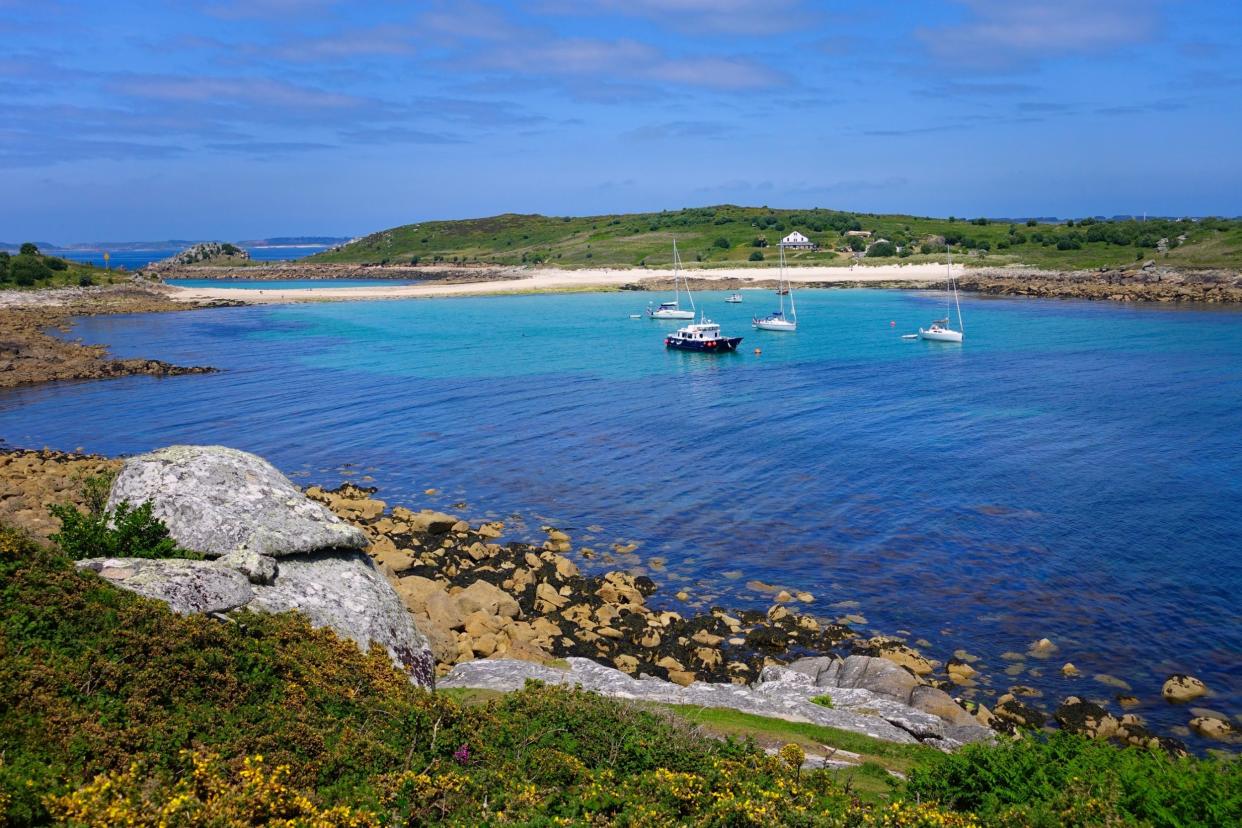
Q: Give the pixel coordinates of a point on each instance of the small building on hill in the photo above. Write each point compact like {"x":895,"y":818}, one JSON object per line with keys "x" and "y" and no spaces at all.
{"x":862,"y":234}
{"x":797,"y":241}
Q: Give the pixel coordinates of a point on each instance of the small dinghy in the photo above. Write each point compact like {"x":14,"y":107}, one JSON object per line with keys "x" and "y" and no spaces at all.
{"x":734,"y":299}
{"x":703,"y":336}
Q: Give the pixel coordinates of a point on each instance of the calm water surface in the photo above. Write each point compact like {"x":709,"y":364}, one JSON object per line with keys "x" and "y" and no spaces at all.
{"x":1074,"y":471}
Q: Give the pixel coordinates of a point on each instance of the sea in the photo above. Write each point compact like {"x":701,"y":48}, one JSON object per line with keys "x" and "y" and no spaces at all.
{"x":137,"y":259}
{"x":1073,"y":471}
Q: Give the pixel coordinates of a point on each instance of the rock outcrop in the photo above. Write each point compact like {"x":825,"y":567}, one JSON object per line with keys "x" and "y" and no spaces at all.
{"x":275,"y":549}
{"x":215,"y":500}
{"x":781,"y":693}
{"x":206,"y":253}
{"x":1181,"y":688}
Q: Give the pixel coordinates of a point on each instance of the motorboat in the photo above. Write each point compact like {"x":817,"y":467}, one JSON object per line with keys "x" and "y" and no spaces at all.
{"x":703,"y":336}
{"x":734,"y":299}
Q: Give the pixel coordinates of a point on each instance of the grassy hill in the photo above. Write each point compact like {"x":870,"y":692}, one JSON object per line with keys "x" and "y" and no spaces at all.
{"x":30,"y":269}
{"x":118,"y":712}
{"x":727,"y":235}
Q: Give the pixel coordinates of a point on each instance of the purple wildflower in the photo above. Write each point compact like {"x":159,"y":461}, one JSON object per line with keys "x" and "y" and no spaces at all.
{"x":462,"y":755}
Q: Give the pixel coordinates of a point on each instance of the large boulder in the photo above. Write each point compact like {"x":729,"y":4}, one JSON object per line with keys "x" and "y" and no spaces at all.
{"x":215,"y":500}
{"x":343,"y":590}
{"x":188,"y":587}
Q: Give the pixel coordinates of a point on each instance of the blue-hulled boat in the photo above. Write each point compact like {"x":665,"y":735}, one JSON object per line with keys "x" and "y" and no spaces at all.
{"x":704,"y":336}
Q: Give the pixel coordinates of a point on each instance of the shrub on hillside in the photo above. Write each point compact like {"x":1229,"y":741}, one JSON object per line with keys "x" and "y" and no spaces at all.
{"x":1064,"y":779}
{"x":882,"y":249}
{"x":123,"y":532}
{"x":756,"y":256}
{"x":722,"y":243}
{"x":26,"y":270}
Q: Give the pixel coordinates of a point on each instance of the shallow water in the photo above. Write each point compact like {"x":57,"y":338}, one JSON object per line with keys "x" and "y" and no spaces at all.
{"x":1074,"y":471}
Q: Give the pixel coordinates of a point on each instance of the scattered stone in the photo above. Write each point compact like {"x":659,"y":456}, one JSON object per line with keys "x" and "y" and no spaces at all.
{"x":1043,"y":648}
{"x":1181,"y":688}
{"x":1210,"y":727}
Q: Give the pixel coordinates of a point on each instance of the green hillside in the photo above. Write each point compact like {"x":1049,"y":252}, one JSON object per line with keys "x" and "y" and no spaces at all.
{"x":30,"y":269}
{"x":118,"y":712}
{"x":731,"y":236}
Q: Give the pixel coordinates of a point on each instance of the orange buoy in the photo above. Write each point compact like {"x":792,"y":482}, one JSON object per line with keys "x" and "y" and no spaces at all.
{"x":758,"y":352}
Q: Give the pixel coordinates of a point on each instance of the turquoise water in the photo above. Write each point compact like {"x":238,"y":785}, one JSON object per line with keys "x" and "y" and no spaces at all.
{"x":1073,"y":471}
{"x":287,"y":284}
{"x":135,"y":259}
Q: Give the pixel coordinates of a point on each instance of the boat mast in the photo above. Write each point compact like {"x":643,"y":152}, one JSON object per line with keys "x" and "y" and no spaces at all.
{"x":953,"y":290}
{"x":676,"y":275}
{"x":780,"y":281}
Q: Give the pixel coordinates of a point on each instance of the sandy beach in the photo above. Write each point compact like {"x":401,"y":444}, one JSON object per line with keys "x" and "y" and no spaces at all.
{"x":553,"y":280}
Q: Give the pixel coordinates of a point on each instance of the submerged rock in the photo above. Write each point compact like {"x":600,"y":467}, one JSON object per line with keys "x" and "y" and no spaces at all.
{"x":215,"y":500}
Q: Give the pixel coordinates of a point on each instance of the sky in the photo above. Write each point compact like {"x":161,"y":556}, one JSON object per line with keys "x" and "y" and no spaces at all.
{"x":238,"y":119}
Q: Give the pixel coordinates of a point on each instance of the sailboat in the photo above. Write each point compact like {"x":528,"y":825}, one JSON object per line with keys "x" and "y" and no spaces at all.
{"x":673,"y":310}
{"x":940,"y":329}
{"x":777,"y":320}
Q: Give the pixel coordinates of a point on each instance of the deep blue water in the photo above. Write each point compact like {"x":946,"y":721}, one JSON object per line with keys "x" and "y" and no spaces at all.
{"x":1073,"y":471}
{"x":286,"y":284}
{"x":135,"y":259}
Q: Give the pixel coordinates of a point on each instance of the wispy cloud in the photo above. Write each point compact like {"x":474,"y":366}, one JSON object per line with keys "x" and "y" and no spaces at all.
{"x":398,"y":135}
{"x":377,"y":41}
{"x":1003,"y":34}
{"x":268,"y":149}
{"x":248,"y":90}
{"x":280,"y":9}
{"x":677,"y":129}
{"x":739,"y":17}
{"x":624,"y":58}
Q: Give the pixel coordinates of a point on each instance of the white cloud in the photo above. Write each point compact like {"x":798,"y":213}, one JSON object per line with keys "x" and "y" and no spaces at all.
{"x":1002,"y":34}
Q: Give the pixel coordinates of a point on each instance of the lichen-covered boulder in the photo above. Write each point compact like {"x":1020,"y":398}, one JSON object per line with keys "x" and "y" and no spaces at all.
{"x":343,"y":590}
{"x":188,"y":587}
{"x":215,"y":500}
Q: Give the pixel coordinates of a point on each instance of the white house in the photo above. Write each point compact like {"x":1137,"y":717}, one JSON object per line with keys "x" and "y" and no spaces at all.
{"x":797,"y":241}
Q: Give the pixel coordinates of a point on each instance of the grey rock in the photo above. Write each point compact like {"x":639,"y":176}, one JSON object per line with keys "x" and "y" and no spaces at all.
{"x":186,"y":586}
{"x":877,"y":685}
{"x":260,"y":569}
{"x":783,"y":694}
{"x":215,"y":500}
{"x":343,"y":590}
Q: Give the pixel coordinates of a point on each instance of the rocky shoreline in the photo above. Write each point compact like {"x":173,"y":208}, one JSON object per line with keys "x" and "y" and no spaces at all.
{"x":29,"y":354}
{"x":1146,"y":282}
{"x":476,"y":597}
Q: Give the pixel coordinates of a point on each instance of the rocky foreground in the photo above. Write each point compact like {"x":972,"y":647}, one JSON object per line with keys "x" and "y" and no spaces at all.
{"x":481,"y":613}
{"x":29,"y":354}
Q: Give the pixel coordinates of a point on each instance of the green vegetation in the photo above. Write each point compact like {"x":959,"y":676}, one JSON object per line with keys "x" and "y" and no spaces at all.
{"x":723,"y":236}
{"x":123,"y":532}
{"x":823,"y":701}
{"x":1060,"y":779}
{"x":117,"y":711}
{"x":32,"y":269}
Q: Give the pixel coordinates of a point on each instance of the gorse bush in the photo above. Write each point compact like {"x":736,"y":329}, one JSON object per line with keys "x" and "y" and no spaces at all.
{"x":123,"y":532}
{"x":117,"y":711}
{"x":1062,"y":779}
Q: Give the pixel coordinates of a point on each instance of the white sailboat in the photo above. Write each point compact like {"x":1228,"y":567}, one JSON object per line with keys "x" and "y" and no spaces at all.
{"x":673,"y":310}
{"x":941,"y":330}
{"x":777,"y":320}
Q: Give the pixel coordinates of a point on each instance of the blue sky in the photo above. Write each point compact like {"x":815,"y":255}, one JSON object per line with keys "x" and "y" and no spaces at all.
{"x":235,"y":119}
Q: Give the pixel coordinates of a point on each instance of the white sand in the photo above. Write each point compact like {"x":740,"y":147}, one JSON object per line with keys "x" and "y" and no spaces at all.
{"x":554,"y":280}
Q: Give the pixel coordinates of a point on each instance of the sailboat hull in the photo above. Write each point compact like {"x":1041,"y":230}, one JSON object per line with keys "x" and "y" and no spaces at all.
{"x":940,"y":335}
{"x":781,"y":325}
{"x":671,"y":314}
